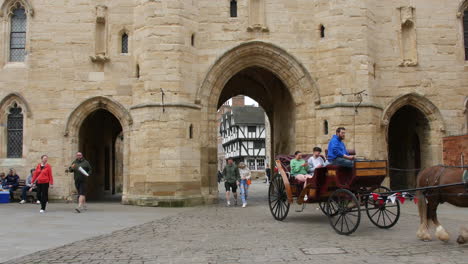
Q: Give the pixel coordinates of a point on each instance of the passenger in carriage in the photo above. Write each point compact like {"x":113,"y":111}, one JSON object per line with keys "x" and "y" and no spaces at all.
{"x":299,"y":168}
{"x":315,"y":161}
{"x":337,"y":153}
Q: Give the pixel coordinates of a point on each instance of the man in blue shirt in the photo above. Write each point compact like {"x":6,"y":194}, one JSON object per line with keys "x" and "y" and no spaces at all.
{"x":337,"y":153}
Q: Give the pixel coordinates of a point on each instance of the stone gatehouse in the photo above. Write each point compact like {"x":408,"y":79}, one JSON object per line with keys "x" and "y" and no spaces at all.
{"x":135,"y":84}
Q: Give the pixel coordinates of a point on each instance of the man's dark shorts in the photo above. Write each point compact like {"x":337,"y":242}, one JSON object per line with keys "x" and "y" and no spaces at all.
{"x":81,"y":187}
{"x":230,"y":185}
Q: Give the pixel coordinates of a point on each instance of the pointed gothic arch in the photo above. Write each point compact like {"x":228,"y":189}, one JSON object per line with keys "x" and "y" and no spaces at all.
{"x":421,"y":103}
{"x":8,"y":6}
{"x":91,"y":105}
{"x":16,"y":97}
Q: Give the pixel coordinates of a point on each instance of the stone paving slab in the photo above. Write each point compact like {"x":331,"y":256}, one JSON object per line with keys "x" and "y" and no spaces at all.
{"x":26,"y":231}
{"x":220,"y":234}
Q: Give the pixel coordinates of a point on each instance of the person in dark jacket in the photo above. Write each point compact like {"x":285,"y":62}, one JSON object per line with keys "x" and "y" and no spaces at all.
{"x":231,"y":180}
{"x":80,"y":177}
{"x":12,"y":182}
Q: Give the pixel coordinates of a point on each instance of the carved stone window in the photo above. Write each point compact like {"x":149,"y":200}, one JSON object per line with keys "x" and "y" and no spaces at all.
{"x":257,"y":17}
{"x":407,"y":36}
{"x":124,"y":43}
{"x":15,"y":132}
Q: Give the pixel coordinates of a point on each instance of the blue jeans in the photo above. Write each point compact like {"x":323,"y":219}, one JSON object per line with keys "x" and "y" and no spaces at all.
{"x":342,"y":162}
{"x":244,"y":188}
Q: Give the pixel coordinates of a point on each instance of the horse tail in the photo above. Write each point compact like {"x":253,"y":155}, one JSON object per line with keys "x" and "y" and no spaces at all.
{"x":422,"y":207}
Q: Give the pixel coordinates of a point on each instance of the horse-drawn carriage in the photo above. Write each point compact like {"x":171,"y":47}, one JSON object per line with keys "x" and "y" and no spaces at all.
{"x":342,"y":194}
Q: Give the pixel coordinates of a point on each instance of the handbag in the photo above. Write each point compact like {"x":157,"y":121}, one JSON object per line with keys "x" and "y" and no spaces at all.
{"x":249,"y":181}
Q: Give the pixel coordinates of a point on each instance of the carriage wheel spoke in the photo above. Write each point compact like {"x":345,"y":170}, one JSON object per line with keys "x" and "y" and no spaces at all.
{"x":346,"y":222}
{"x":376,"y":211}
{"x":388,"y":211}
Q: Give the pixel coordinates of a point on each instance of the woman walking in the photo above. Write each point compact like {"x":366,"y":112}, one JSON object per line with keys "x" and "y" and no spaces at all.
{"x":42,"y":178}
{"x":244,"y":183}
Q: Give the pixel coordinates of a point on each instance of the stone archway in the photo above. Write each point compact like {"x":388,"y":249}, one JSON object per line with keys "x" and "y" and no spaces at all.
{"x":83,"y":122}
{"x":414,"y":131}
{"x":272,"y":77}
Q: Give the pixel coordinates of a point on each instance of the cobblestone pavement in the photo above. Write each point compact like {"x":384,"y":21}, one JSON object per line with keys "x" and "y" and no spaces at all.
{"x":220,"y":234}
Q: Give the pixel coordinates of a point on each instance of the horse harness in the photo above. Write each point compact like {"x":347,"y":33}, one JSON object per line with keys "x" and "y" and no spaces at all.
{"x":429,"y":192}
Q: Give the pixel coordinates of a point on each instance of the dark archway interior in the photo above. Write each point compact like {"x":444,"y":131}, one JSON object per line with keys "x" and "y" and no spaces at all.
{"x":100,"y":140}
{"x":273,"y":96}
{"x":407,"y":133}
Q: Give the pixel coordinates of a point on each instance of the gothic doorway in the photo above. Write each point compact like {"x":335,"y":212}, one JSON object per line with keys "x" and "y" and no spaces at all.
{"x":408,"y":136}
{"x":101,"y":141}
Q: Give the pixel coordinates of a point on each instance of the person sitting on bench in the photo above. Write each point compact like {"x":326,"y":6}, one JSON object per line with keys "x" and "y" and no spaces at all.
{"x":337,"y":153}
{"x":299,"y":168}
{"x":26,"y":187}
{"x":12,"y":182}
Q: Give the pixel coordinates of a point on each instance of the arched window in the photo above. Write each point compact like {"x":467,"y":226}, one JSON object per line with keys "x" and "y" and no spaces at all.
{"x":191,"y":131}
{"x":233,"y":8}
{"x":124,"y":44}
{"x":15,"y":132}
{"x":138,"y":71}
{"x":18,"y":34}
{"x":192,"y":40}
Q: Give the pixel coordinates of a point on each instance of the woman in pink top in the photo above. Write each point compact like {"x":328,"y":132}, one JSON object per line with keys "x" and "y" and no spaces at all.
{"x":42,"y":178}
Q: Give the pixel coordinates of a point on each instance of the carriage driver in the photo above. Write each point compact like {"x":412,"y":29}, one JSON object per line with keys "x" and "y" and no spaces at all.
{"x":337,"y":153}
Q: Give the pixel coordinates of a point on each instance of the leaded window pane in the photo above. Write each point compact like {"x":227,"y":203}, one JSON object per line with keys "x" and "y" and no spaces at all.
{"x":15,"y":133}
{"x":18,"y":35}
{"x":124,"y":43}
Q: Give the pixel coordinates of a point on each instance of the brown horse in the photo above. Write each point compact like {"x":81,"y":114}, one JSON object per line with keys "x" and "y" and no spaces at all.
{"x":430,"y":199}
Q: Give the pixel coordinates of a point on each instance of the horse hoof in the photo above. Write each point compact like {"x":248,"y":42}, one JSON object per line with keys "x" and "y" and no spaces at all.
{"x":441,"y":234}
{"x":461,"y":240}
{"x":424,"y":237}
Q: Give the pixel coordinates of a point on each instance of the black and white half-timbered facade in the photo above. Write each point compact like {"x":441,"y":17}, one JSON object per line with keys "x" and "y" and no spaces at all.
{"x":243,"y":135}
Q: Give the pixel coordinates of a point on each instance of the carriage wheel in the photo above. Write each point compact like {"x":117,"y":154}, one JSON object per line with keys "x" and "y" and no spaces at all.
{"x":347,"y":217}
{"x":323,"y":207}
{"x":278,"y":199}
{"x":382,"y":215}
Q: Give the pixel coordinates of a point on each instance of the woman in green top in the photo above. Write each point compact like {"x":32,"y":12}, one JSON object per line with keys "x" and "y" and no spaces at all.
{"x":299,"y":168}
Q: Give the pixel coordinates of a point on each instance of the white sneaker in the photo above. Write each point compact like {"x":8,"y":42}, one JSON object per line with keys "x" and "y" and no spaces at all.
{"x":42,"y":211}
{"x":244,"y":205}
{"x":228,"y":203}
{"x":38,"y":202}
{"x":22,"y":202}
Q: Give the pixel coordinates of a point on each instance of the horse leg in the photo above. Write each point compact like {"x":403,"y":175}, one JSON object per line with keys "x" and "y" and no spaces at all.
{"x":440,"y":233}
{"x":423,"y":232}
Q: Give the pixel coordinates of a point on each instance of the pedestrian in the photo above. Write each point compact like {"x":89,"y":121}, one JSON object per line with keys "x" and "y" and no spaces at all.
{"x":267,"y":174}
{"x":245,"y":174}
{"x":42,"y":180}
{"x":231,"y":180}
{"x":81,"y":170}
{"x":27,"y":187}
